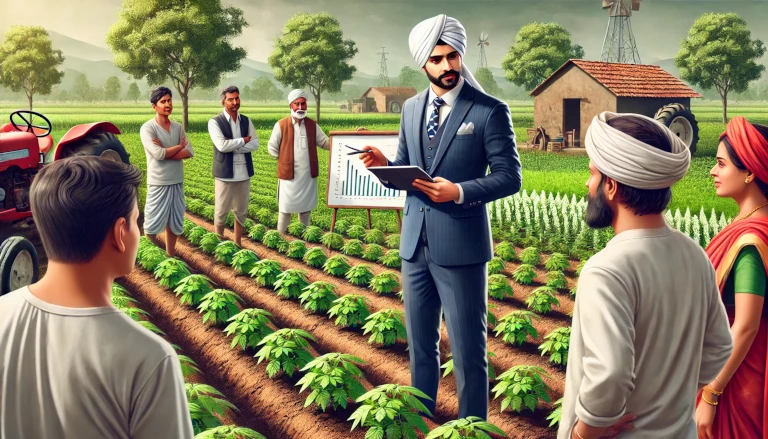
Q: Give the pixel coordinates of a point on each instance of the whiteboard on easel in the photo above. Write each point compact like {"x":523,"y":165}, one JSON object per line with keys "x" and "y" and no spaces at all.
{"x":350,"y":184}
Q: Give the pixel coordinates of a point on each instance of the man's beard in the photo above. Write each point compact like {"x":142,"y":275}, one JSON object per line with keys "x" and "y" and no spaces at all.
{"x":298,"y":114}
{"x":599,"y":214}
{"x":439,"y":80}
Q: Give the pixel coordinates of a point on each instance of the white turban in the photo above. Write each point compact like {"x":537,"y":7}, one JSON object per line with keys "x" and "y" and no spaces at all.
{"x":295,"y":94}
{"x":632,"y":162}
{"x":424,"y":37}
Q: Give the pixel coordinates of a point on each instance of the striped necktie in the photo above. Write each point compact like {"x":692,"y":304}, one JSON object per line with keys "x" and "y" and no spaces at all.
{"x":435,"y":118}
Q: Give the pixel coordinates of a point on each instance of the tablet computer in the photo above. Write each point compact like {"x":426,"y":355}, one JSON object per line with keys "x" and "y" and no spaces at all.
{"x":401,"y":176}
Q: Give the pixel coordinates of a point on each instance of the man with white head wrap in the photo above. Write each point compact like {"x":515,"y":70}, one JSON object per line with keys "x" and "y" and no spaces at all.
{"x":455,"y":132}
{"x":649,"y":328}
{"x":294,"y":142}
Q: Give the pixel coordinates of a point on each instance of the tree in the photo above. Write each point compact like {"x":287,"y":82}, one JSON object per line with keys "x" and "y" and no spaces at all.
{"x":720,"y":53}
{"x":410,"y":77}
{"x":28,"y":61}
{"x":112,"y":89}
{"x":312,"y":52}
{"x":265,"y":90}
{"x":485,"y":78}
{"x":82,"y":88}
{"x":184,"y":41}
{"x":539,"y":50}
{"x":133,"y":92}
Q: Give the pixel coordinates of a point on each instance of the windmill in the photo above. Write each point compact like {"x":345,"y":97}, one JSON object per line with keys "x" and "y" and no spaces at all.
{"x":619,"y":44}
{"x":383,"y":74}
{"x":482,"y":43}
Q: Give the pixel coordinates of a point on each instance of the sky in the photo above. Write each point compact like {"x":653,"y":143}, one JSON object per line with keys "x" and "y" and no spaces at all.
{"x":658,"y":26}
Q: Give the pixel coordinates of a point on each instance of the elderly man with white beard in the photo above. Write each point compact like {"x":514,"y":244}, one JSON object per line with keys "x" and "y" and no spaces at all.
{"x":294,"y":142}
{"x":649,"y":329}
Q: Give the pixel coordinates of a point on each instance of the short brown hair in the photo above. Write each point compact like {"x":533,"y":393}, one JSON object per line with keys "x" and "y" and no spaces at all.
{"x":76,"y":201}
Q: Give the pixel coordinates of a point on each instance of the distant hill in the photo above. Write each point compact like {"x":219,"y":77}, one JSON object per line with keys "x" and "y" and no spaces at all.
{"x":79,"y":49}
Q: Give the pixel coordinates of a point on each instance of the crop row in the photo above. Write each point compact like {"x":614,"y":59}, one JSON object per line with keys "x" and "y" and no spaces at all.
{"x":206,"y":404}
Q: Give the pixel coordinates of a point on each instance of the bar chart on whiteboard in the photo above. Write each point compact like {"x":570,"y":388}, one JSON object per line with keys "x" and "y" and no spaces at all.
{"x":350,"y":183}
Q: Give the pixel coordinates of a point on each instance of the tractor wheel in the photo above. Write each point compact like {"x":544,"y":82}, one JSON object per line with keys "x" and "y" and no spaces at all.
{"x":19,"y":266}
{"x":681,"y":121}
{"x":394,"y":107}
{"x":105,"y":145}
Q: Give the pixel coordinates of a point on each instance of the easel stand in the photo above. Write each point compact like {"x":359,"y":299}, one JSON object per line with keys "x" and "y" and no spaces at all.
{"x":370,"y":225}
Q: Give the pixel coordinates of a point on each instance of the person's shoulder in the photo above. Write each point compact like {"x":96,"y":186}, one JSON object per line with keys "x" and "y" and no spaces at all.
{"x":148,"y":125}
{"x":135,"y":338}
{"x":9,"y":303}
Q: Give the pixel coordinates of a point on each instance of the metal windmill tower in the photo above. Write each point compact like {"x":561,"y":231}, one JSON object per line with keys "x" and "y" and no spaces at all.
{"x":482,"y":43}
{"x":383,"y":75}
{"x":619,"y":44}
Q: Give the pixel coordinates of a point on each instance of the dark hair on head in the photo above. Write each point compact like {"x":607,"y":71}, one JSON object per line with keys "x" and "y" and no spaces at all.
{"x":440,"y":42}
{"x":762,"y":185}
{"x":75,"y":202}
{"x":230,"y":89}
{"x":158,"y":93}
{"x":643,"y":201}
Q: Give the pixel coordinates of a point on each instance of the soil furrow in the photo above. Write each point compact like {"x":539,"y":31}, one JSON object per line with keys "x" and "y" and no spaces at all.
{"x":273,"y":406}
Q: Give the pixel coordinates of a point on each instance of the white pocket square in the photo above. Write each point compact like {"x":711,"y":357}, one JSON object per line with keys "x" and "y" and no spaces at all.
{"x":466,"y":128}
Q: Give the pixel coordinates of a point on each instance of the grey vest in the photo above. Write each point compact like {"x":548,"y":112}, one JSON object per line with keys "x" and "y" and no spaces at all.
{"x":223,"y":161}
{"x":428,"y":151}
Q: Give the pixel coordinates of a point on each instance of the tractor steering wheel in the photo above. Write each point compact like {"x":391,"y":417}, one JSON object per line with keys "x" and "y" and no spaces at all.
{"x":29,"y":124}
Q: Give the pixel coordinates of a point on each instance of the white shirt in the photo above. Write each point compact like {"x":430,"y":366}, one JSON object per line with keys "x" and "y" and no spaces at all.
{"x":235,"y":145}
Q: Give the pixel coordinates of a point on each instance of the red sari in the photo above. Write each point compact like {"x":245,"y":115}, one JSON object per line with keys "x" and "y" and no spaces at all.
{"x":742,"y":411}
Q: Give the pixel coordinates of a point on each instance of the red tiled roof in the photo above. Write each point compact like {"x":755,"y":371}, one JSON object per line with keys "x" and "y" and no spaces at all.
{"x":630,"y":80}
{"x":393,"y":91}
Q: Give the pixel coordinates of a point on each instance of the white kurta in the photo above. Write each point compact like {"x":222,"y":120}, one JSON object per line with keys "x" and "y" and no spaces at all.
{"x":300,"y":194}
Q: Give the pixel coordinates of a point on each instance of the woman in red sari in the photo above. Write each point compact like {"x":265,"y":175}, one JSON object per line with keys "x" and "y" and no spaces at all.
{"x":734,"y":405}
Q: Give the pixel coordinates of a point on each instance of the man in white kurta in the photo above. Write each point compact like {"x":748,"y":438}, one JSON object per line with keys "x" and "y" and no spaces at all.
{"x":298,"y":167}
{"x":649,"y":328}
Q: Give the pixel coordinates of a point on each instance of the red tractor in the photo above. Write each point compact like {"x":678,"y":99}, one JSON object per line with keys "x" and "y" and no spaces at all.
{"x":24,"y":149}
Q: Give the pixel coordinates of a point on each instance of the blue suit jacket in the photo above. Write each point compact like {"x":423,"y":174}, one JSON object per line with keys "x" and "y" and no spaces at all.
{"x":459,"y":234}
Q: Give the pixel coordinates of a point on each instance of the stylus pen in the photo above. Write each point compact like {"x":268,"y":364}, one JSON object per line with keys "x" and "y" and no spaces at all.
{"x":357,"y":151}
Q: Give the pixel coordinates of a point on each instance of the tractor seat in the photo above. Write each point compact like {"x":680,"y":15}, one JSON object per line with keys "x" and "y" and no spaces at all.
{"x":45,"y":143}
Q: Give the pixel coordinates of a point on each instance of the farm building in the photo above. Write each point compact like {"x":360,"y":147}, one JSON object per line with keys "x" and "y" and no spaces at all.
{"x":567,"y":101}
{"x":382,"y":100}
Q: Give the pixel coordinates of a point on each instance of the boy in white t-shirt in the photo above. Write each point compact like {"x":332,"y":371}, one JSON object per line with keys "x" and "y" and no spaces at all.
{"x":72,"y":366}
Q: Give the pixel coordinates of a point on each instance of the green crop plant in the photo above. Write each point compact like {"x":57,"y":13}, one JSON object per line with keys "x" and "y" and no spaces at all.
{"x":391,"y":259}
{"x":522,"y":387}
{"x":290,"y":283}
{"x":374,"y":236}
{"x":557,"y":280}
{"x":257,"y":232}
{"x":249,"y":223}
{"x":393,"y":240}
{"x":296,"y":249}
{"x":296,"y":228}
{"x":360,"y":275}
{"x":385,"y":283}
{"x":516,"y":327}
{"x":332,"y":240}
{"x":196,"y":206}
{"x":372,"y":252}
{"x":448,"y":366}
{"x":557,"y":262}
{"x":350,"y":310}
{"x":249,"y":327}
{"x":471,"y":427}
{"x":229,"y":221}
{"x":225,"y":251}
{"x":315,"y":257}
{"x":151,"y":257}
{"x":531,"y":256}
{"x":356,"y":231}
{"x":336,"y":265}
{"x":341,"y":226}
{"x":187,"y":365}
{"x":285,"y":350}
{"x":312,"y":234}
{"x":134,"y":313}
{"x":265,"y":272}
{"x":498,"y":287}
{"x":152,"y":327}
{"x":491,"y":316}
{"x":205,"y":402}
{"x":318,"y":297}
{"x":120,"y":297}
{"x":208,"y":212}
{"x":196,"y":234}
{"x":272,"y":239}
{"x":495,"y":265}
{"x":386,"y":327}
{"x":209,"y":241}
{"x":353,"y":247}
{"x":170,"y":272}
{"x":524,"y":274}
{"x":219,"y":305}
{"x":554,"y":417}
{"x":391,"y":411}
{"x":542,"y":300}
{"x":333,"y":378}
{"x":580,"y":267}
{"x":244,"y":261}
{"x":193,"y":288}
{"x":230,"y":432}
{"x":556,"y":345}
{"x":505,"y":251}
{"x":266,"y":217}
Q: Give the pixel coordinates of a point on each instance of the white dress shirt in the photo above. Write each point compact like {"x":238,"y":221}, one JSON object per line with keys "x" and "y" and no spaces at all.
{"x":235,"y":145}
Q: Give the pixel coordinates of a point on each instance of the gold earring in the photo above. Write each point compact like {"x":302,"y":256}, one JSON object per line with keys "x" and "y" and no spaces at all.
{"x":747,"y":180}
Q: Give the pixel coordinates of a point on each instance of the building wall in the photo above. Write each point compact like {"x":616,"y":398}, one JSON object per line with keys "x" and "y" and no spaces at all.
{"x":648,"y":106}
{"x":573,"y":84}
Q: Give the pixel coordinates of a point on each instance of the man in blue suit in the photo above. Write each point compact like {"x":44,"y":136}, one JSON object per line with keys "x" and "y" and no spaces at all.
{"x":455,"y":132}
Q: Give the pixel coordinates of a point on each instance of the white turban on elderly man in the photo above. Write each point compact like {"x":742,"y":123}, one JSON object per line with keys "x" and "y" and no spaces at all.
{"x":425,"y":35}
